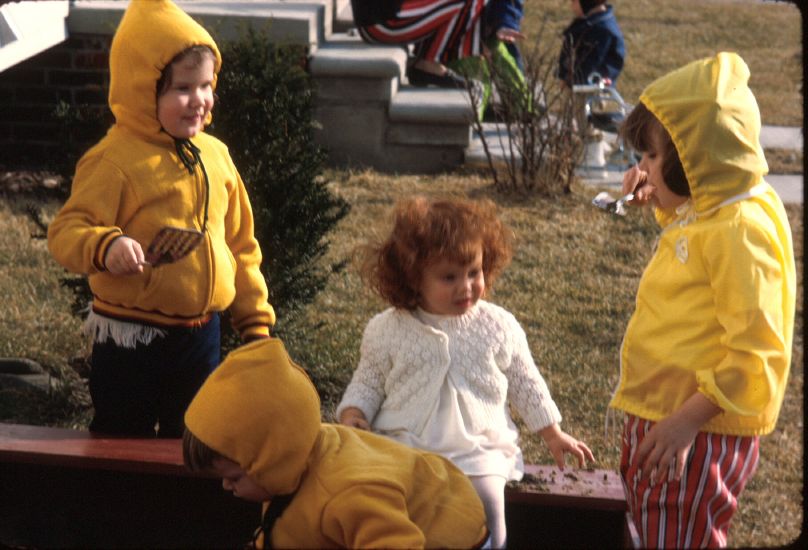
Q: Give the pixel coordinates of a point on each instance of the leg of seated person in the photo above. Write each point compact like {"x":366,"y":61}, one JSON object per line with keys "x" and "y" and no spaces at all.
{"x":442,"y":31}
{"x":491,"y":490}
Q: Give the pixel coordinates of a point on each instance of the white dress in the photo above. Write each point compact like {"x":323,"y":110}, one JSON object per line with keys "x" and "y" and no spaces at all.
{"x":489,"y":452}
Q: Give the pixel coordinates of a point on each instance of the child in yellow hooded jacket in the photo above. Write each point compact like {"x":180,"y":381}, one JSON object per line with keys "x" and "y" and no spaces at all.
{"x":156,"y":327}
{"x":706,"y":354}
{"x":256,"y":423}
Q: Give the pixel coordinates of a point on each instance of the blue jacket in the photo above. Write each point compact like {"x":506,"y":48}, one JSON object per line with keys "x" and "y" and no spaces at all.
{"x":508,"y":14}
{"x":504,"y":13}
{"x":597,"y":44}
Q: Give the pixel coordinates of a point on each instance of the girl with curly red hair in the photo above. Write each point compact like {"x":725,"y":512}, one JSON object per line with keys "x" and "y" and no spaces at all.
{"x":439,"y":368}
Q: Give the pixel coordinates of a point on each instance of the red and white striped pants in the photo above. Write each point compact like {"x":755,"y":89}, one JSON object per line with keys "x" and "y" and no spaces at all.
{"x":695,"y":511}
{"x":440,"y":30}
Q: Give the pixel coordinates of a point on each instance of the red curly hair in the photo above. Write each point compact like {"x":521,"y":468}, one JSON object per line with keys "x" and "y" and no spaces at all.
{"x":427,"y":231}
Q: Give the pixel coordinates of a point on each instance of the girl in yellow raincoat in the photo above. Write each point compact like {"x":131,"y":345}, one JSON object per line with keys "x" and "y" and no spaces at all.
{"x":706,"y":354}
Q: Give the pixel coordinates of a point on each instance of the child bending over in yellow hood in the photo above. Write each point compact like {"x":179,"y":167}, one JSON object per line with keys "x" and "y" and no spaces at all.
{"x":256,"y":423}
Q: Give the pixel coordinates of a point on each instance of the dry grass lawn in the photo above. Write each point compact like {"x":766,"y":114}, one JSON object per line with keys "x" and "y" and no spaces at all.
{"x":661,"y":36}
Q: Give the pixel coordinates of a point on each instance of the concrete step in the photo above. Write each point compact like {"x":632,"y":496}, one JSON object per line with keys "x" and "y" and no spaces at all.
{"x":431,"y":105}
{"x":306,"y":22}
{"x":346,"y":55}
{"x":781,"y":137}
{"x":430,"y":116}
{"x":369,"y":119}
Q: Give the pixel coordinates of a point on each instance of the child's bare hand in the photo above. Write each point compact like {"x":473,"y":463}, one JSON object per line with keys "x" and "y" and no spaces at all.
{"x":636,"y":181}
{"x":561,"y":443}
{"x":354,"y":418}
{"x":666,"y":443}
{"x":124,"y":257}
{"x":509,"y":35}
{"x":669,"y":441}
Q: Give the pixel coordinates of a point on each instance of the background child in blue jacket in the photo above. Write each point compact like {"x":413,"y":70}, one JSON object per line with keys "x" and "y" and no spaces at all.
{"x":592,"y":43}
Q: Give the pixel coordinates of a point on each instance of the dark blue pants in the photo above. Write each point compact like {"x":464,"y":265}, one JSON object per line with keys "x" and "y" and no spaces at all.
{"x":135,"y":389}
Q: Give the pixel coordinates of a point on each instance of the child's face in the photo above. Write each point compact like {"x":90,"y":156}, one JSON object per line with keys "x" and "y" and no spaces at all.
{"x":576,"y":8}
{"x":651,"y":164}
{"x":183,"y":107}
{"x":236,"y":480}
{"x":450,"y":288}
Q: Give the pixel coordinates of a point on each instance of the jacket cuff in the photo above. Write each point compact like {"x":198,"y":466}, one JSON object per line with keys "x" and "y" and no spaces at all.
{"x":254,"y":332}
{"x":102,"y":248}
{"x":543,"y":417}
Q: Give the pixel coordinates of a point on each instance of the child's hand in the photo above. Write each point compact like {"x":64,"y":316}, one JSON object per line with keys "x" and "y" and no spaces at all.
{"x":636,"y":181}
{"x":561,"y":443}
{"x":669,"y":440}
{"x":509,"y":35}
{"x":354,"y":418}
{"x":124,"y":257}
{"x":666,"y":443}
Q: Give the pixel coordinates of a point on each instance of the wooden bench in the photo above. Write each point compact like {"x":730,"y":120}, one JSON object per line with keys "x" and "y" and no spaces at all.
{"x":64,"y":488}
{"x":573,"y":508}
{"x":68,"y":488}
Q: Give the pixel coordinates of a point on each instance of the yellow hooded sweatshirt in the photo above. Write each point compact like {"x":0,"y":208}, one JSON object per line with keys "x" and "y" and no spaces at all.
{"x":715,"y":305}
{"x":133,"y":183}
{"x":352,"y":489}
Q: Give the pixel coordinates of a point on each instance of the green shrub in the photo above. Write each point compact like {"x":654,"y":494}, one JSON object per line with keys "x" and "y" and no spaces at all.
{"x":264,"y":115}
{"x":79,"y":127}
{"x":534,"y":115}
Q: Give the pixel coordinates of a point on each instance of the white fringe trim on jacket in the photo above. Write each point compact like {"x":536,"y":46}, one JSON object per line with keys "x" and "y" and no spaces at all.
{"x":124,"y":334}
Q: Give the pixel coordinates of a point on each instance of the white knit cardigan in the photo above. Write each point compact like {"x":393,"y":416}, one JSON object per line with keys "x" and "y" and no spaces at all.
{"x":403,"y":364}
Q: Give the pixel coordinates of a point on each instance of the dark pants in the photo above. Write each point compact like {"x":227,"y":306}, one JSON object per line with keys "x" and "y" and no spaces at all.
{"x":134,"y":389}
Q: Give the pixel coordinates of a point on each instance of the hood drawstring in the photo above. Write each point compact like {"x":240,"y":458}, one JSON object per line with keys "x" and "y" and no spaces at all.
{"x":189,"y":155}
{"x":275,"y":509}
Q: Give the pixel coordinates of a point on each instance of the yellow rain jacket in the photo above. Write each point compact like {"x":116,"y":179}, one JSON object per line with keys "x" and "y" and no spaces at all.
{"x":350,"y":488}
{"x":715,"y":305}
{"x":133,"y":183}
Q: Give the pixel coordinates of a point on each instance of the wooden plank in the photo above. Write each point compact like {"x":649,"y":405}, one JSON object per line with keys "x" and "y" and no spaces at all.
{"x":62,"y":488}
{"x":546,"y":485}
{"x":82,"y":449}
{"x":573,"y":508}
{"x":144,"y":492}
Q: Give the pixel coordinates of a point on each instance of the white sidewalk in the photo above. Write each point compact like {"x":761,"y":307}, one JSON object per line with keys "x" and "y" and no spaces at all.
{"x":788,"y":186}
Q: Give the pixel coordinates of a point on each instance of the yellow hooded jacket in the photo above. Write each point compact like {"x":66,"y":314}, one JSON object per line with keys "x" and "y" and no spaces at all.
{"x":133,"y":183}
{"x":715,"y":305}
{"x":351,"y":488}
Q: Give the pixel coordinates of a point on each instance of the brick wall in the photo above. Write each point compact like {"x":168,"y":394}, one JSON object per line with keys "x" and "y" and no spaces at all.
{"x":75,"y":71}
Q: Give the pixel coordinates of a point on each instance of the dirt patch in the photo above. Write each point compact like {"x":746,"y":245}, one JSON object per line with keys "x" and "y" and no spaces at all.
{"x":531,"y":484}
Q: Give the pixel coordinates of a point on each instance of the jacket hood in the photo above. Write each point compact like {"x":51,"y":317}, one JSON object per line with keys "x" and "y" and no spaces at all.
{"x":261,"y":411}
{"x":149,"y":35}
{"x":713,"y":118}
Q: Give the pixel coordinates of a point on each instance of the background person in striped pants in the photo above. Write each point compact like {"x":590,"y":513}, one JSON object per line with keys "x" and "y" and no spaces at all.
{"x":706,"y":354}
{"x":441,"y":31}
